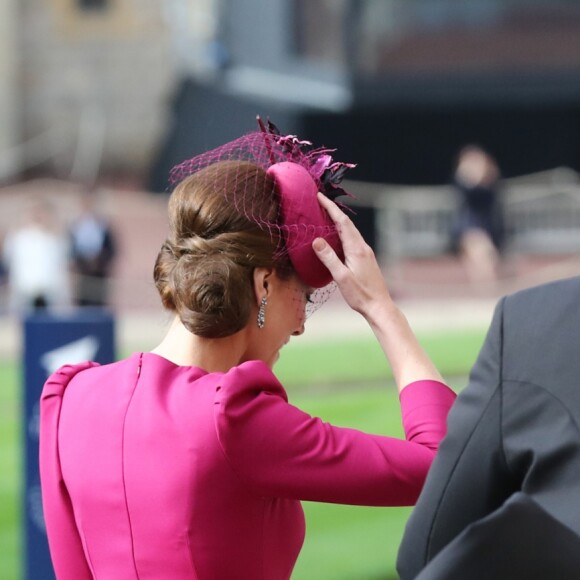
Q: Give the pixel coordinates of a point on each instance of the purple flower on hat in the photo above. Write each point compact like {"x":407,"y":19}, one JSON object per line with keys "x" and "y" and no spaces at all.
{"x":320,"y":165}
{"x":327,"y":173}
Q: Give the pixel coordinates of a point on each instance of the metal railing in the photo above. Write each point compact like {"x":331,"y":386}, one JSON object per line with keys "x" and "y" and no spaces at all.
{"x":541,"y":215}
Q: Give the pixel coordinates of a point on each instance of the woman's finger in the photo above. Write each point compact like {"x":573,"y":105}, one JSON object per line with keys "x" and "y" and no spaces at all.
{"x":347,"y":231}
{"x":328,"y":257}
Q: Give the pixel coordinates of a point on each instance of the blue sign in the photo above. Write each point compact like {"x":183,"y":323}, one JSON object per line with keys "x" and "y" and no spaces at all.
{"x":51,"y":341}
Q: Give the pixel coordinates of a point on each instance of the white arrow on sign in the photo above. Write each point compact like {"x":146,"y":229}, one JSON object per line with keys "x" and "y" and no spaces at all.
{"x":74,"y":352}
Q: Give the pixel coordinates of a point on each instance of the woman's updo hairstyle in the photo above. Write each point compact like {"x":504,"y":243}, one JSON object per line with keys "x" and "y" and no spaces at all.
{"x":204,"y":270}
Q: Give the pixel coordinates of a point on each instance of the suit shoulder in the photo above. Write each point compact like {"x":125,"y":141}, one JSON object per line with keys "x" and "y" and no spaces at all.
{"x":539,"y":329}
{"x":545,"y":296}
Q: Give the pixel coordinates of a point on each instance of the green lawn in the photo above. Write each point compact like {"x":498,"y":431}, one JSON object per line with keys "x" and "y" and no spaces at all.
{"x":10,"y":470}
{"x":359,"y":360}
{"x":345,"y":382}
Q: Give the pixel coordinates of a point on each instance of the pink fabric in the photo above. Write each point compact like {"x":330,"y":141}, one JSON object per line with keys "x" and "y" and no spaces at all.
{"x":300,"y":208}
{"x":151,"y":470}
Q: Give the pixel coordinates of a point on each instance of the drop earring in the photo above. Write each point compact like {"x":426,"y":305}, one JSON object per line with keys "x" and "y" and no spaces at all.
{"x":262,"y":313}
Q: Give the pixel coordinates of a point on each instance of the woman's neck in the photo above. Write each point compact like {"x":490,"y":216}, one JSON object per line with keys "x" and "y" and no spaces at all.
{"x":184,"y":348}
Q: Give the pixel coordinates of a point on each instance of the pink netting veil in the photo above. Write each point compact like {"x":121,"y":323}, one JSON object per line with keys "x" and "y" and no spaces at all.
{"x":300,"y":171}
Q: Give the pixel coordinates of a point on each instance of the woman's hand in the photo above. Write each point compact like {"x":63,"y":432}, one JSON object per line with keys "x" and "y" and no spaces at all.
{"x":359,"y":278}
{"x":362,"y":285}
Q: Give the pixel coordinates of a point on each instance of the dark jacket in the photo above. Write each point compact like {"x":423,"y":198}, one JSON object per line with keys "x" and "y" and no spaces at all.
{"x":513,"y":440}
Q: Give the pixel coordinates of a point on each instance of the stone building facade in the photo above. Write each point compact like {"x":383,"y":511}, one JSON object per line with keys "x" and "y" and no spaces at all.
{"x":87,"y":83}
{"x":9,"y":106}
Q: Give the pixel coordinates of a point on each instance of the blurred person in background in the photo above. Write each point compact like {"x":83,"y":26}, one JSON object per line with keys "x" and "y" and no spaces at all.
{"x":3,"y":272}
{"x":93,"y":251}
{"x":188,"y":461}
{"x":478,"y":230}
{"x":35,"y":255}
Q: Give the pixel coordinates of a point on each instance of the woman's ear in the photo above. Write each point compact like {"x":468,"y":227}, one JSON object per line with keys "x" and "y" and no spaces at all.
{"x":262,"y":279}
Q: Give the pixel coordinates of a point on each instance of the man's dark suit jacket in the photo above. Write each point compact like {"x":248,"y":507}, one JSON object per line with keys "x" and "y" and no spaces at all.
{"x":511,"y":458}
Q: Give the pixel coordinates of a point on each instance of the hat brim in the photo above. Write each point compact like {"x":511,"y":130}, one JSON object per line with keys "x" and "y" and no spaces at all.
{"x":303,"y":220}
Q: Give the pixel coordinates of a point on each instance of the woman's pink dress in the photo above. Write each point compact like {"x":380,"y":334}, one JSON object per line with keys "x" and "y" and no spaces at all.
{"x":151,"y":470}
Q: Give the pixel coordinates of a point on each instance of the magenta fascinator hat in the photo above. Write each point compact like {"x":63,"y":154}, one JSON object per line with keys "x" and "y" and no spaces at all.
{"x":300,"y":171}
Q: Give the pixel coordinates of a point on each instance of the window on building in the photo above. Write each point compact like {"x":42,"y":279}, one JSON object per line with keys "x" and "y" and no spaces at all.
{"x":408,"y":37}
{"x":93,"y":4}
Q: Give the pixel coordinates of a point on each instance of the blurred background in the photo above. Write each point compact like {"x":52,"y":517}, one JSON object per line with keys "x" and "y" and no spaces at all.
{"x":100,"y":98}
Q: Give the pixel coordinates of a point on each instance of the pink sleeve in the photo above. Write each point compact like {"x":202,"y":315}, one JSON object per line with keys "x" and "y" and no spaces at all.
{"x":280,"y":451}
{"x":65,"y":544}
{"x":424,"y":407}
